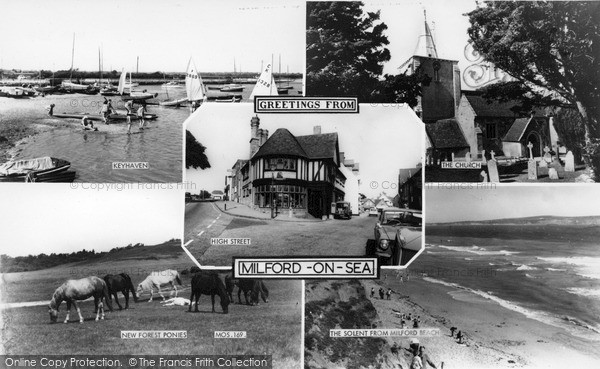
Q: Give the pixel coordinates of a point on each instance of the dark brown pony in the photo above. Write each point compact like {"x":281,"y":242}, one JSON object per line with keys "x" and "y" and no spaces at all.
{"x":120,"y":283}
{"x":230,"y":284}
{"x":209,"y":284}
{"x":80,"y":289}
{"x":255,"y":287}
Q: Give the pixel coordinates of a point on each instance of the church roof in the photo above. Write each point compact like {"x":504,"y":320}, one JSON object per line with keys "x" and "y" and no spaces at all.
{"x":484,"y":108}
{"x":446,"y":134}
{"x":517,"y":129}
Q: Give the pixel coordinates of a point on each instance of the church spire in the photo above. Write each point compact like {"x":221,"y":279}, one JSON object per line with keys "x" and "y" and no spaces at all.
{"x":425,"y":44}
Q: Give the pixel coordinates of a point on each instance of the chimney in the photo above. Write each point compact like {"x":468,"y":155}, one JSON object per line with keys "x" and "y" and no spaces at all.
{"x":316,"y":130}
{"x":261,"y":137}
{"x":254,"y":138}
{"x":266,"y":134}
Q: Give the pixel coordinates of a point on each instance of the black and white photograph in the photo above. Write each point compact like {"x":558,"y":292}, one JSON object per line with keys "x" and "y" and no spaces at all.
{"x":94,"y":278}
{"x":303,"y":184}
{"x":101,"y":96}
{"x":507,"y":89}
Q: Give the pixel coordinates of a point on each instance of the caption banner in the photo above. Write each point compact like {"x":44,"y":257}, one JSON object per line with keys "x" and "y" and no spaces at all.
{"x":306,"y":267}
{"x":136,"y":361}
{"x":281,"y":104}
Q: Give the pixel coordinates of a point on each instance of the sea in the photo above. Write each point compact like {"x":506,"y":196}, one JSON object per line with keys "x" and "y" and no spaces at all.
{"x":550,"y":273}
{"x":92,"y":154}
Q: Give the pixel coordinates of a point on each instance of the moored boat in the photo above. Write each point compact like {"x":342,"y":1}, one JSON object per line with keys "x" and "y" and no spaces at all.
{"x":232,"y":88}
{"x":44,"y":169}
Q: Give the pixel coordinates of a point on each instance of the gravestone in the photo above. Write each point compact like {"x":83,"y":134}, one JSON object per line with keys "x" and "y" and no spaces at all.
{"x":530,"y":147}
{"x":484,"y":176}
{"x":493,"y":170}
{"x":532,"y":170}
{"x":468,"y":157}
{"x":547,"y":155}
{"x":552,"y":173}
{"x":543,"y":163}
{"x":569,"y":162}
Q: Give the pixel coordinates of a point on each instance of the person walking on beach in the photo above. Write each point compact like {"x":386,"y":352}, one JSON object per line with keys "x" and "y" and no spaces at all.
{"x":372,"y":292}
{"x":459,"y":337}
{"x":140,"y":114}
{"x":105,"y":111}
{"x":416,"y":362}
{"x":129,"y":108}
{"x":389,"y":294}
{"x":452,"y":330}
{"x":426,"y":362}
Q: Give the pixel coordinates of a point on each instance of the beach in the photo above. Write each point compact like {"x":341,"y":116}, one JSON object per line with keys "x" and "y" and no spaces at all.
{"x":496,"y":337}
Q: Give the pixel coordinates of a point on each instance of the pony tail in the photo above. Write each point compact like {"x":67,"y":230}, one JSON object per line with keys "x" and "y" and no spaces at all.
{"x":130,"y":285}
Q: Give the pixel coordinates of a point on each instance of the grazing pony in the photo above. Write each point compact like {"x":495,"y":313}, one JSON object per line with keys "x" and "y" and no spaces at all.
{"x":80,"y":289}
{"x":230,"y":284}
{"x":120,"y":283}
{"x":209,"y":284}
{"x":256,"y":287}
{"x":157,"y":279}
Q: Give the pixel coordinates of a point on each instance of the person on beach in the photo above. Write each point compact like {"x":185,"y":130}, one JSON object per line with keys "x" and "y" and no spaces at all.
{"x":85,"y":122}
{"x":459,"y":337}
{"x":372,"y":292}
{"x":129,"y":108}
{"x":416,"y":362}
{"x":395,"y":349}
{"x":105,"y":111}
{"x":452,"y":330}
{"x":425,"y":359}
{"x":414,"y":346}
{"x":50,"y":109}
{"x":403,"y":324}
{"x":140,"y":114}
{"x":389,"y":294}
{"x":381,"y":293}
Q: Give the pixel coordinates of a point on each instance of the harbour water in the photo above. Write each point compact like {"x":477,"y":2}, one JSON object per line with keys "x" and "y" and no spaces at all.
{"x":548,"y":273}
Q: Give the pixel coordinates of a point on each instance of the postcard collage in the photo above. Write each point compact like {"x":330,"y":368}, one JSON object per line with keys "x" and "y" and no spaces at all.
{"x":299,"y":184}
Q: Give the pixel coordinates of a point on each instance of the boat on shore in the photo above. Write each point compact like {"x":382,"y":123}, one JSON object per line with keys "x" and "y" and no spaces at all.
{"x":44,"y":169}
{"x":232,"y":88}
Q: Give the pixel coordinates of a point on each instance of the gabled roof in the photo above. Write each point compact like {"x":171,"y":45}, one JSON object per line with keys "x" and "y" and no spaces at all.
{"x":517,"y":129}
{"x":282,"y":142}
{"x":483,"y":108}
{"x":321,"y":146}
{"x":446,"y":134}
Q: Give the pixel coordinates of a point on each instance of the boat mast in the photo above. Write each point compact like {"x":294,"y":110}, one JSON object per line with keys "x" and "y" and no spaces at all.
{"x":72,"y":58}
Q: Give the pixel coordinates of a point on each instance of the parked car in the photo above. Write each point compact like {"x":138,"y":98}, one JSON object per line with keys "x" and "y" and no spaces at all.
{"x":398,"y":235}
{"x":373,"y":212}
{"x":343,"y":209}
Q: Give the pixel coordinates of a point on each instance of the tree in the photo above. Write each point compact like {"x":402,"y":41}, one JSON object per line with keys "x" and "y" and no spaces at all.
{"x":552,"y":49}
{"x":402,"y":88}
{"x":194,"y":153}
{"x":345,"y":49}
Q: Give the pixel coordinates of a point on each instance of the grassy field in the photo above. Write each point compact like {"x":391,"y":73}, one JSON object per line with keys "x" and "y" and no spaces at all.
{"x":273,"y":328}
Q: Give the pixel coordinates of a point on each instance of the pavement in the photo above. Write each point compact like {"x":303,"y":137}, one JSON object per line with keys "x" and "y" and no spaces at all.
{"x":241,"y":210}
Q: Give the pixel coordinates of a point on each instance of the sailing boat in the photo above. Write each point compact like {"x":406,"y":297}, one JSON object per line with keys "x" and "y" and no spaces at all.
{"x":265,"y":86}
{"x":194,"y":88}
{"x":136,"y":96}
{"x":70,"y":86}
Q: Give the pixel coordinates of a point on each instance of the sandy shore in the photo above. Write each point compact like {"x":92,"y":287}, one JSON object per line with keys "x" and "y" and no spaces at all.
{"x":496,"y":337}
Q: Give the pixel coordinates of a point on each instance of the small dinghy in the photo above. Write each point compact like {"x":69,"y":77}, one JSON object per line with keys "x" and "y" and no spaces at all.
{"x":45,"y":169}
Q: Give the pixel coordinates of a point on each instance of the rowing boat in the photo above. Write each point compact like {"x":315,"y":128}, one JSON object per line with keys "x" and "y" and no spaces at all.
{"x":44,"y":169}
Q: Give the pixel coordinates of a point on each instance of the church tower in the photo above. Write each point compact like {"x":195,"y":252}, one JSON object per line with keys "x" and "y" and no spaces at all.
{"x":440,"y":98}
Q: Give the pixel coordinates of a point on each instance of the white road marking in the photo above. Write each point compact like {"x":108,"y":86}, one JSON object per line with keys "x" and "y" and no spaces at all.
{"x":187,"y":243}
{"x":213,"y":222}
{"x":210,"y":225}
{"x":200,"y":234}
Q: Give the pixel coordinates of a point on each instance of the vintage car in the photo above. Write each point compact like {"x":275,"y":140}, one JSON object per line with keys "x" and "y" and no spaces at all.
{"x":373,"y":212}
{"x":397,"y":236}
{"x":343,"y":209}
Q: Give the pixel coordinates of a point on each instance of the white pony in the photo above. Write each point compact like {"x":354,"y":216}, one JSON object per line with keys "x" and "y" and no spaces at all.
{"x":157,"y":279}
{"x":179,"y":301}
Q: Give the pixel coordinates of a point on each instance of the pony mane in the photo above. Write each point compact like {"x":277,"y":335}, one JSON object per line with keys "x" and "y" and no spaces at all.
{"x":57,"y":297}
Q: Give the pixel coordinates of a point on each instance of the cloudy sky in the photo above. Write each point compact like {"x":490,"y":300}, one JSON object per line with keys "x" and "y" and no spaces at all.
{"x":382,"y":139}
{"x":454,"y":203}
{"x":47,"y":218}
